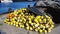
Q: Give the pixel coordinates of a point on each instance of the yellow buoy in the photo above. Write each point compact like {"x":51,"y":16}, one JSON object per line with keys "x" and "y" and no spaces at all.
{"x":37,"y":17}
{"x":40,"y":31}
{"x":36,"y":30}
{"x":27,"y":24}
{"x":16,"y":25}
{"x":44,"y":20}
{"x":49,"y":30}
{"x":27,"y":28}
{"x":40,"y":20}
{"x":45,"y":31}
{"x":31,"y":28}
{"x":8,"y":23}
{"x":5,"y":21}
{"x":42,"y":17}
{"x":22,"y":26}
{"x":35,"y":20}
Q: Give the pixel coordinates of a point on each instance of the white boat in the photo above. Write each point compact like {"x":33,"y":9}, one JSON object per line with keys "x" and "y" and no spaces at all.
{"x":6,"y":1}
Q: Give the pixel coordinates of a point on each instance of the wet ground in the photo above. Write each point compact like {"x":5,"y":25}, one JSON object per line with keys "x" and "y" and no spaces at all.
{"x":7,"y":29}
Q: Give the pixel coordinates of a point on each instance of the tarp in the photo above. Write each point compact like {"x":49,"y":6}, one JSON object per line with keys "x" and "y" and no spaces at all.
{"x":15,"y":5}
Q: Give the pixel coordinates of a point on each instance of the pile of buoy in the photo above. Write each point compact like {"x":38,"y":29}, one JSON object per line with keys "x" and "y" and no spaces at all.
{"x":24,"y":19}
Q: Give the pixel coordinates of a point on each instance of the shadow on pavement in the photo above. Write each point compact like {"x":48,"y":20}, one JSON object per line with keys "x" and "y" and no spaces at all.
{"x":1,"y":32}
